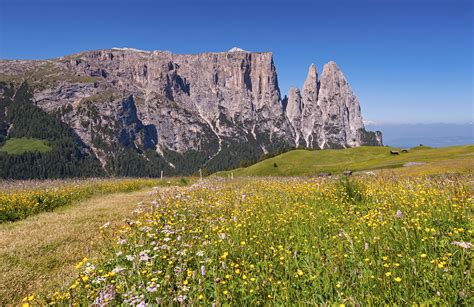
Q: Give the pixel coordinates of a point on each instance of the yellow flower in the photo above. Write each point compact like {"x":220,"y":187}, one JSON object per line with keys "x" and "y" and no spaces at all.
{"x":388,"y":274}
{"x":397,"y":279}
{"x":200,"y":297}
{"x":185,"y":282}
{"x":299,"y":272}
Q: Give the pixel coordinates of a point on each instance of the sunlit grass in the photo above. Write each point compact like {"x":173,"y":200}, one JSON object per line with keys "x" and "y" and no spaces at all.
{"x":311,"y":163}
{"x":17,"y":203}
{"x":290,"y":241}
{"x":40,"y":252}
{"x":18,"y":146}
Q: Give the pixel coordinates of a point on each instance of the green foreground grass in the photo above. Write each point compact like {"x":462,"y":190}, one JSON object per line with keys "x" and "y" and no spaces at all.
{"x":456,"y":159}
{"x":17,"y":146}
{"x":39,"y":253}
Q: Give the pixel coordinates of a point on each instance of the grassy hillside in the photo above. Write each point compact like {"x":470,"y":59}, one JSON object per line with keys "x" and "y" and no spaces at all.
{"x":308,"y":163}
{"x":17,"y":146}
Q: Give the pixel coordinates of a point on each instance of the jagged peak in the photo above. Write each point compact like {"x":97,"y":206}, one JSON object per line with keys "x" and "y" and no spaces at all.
{"x":311,"y":82}
{"x":331,"y":66}
{"x":312,"y":77}
{"x":312,"y":71}
{"x":294,"y":91}
{"x":331,"y":70}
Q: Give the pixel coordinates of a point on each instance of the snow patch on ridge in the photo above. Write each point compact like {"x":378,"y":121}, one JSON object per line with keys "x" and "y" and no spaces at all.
{"x":131,"y":49}
{"x":237,"y":49}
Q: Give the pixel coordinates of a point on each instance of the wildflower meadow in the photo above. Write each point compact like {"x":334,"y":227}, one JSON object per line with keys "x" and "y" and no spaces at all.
{"x":19,"y":200}
{"x":372,"y":241}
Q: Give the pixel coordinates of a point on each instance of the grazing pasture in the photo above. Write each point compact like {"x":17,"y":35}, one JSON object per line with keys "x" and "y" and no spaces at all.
{"x":456,"y":159}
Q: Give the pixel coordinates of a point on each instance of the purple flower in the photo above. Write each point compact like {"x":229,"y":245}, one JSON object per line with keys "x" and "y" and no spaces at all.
{"x":465,"y":245}
{"x":399,"y":214}
{"x":152,"y":288}
{"x":122,"y":242}
{"x":203,"y":270}
{"x":181,"y":298}
{"x":105,"y":295}
{"x":118,"y":269}
{"x":144,"y":256}
{"x":366,"y":246}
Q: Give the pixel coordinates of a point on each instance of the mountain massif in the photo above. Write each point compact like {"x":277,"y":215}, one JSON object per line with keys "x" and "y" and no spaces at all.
{"x":137,"y":113}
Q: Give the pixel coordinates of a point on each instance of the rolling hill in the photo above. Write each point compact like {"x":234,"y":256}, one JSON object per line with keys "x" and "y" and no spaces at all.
{"x":455,"y":159}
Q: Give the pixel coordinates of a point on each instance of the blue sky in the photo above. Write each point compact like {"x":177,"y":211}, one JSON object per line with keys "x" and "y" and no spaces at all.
{"x":407,"y":60}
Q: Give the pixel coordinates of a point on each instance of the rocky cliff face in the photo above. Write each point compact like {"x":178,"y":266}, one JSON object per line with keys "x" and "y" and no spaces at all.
{"x":212,"y":109}
{"x":327,"y":114}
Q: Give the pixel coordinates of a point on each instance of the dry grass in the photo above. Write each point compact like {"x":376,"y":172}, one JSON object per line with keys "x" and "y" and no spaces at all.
{"x":40,"y":252}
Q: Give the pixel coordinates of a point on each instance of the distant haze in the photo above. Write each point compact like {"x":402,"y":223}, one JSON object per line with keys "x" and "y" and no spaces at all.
{"x":434,"y":135}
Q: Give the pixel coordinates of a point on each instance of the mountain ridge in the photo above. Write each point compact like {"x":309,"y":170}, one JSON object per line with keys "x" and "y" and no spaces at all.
{"x":213,"y":109}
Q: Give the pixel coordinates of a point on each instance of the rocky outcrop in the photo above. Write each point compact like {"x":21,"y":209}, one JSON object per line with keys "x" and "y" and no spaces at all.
{"x":294,"y":112}
{"x":330,"y":112}
{"x":340,"y":109}
{"x":211,"y":104}
{"x":311,"y":123}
